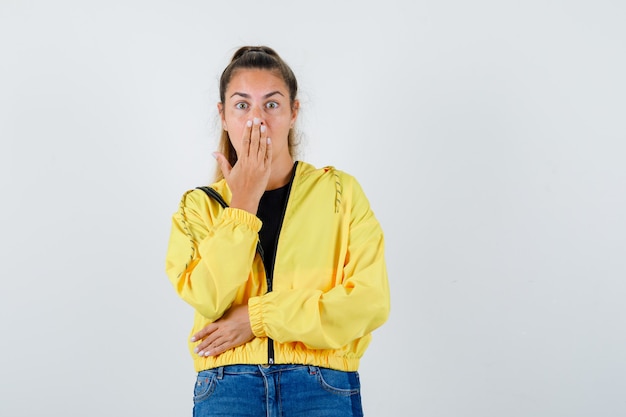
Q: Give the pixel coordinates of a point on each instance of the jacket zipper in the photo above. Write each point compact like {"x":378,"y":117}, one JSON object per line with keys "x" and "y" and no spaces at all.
{"x":270,"y":278}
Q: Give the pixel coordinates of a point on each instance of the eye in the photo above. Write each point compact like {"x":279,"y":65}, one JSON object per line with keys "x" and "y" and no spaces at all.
{"x":272,"y":105}
{"x":241,"y":106}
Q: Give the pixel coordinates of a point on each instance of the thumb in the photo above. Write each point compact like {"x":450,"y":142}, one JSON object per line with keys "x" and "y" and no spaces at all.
{"x":223,"y":163}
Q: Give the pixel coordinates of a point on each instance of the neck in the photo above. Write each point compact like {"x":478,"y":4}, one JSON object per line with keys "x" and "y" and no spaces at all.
{"x":281,"y":172}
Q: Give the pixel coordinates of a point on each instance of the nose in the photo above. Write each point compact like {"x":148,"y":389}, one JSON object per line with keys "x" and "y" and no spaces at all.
{"x":257,"y":112}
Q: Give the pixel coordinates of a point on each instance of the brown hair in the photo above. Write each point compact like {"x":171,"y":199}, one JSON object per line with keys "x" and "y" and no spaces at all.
{"x":254,"y":57}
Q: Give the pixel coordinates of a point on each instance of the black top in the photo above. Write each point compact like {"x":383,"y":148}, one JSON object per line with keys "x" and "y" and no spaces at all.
{"x":270,"y":212}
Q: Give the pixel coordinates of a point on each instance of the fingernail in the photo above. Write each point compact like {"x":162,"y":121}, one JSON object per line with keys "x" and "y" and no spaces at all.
{"x":269,"y":141}
{"x":198,"y":351}
{"x":207,"y":353}
{"x":193,"y":338}
{"x":263,"y":128}
{"x":249,"y":123}
{"x":257,"y":121}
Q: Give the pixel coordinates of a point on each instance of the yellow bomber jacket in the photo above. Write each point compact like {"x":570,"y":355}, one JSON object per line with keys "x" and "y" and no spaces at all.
{"x":330,"y":288}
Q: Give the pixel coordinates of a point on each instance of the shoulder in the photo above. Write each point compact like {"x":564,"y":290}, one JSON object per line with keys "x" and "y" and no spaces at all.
{"x":329,"y":181}
{"x":199,"y":201}
{"x":330,"y":174}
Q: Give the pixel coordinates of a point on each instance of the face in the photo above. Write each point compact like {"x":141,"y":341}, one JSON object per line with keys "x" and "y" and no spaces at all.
{"x":256,"y":93}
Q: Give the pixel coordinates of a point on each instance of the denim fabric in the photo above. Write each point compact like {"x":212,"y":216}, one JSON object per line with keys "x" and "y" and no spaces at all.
{"x":277,"y":390}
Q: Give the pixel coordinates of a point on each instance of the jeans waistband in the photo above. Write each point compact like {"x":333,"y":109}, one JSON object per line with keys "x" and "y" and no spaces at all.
{"x":256,"y":369}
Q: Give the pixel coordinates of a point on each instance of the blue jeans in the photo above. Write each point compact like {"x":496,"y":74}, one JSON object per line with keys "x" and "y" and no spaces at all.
{"x":277,"y":390}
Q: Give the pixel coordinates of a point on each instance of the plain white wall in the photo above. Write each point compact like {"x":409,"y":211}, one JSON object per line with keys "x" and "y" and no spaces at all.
{"x":488,"y":135}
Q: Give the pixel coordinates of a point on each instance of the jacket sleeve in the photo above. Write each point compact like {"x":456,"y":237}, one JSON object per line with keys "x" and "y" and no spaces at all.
{"x":210,"y":253}
{"x":348,"y":311}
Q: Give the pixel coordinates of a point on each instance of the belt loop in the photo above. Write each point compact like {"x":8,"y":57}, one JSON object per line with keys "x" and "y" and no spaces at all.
{"x":312,"y":370}
{"x":220,"y":372}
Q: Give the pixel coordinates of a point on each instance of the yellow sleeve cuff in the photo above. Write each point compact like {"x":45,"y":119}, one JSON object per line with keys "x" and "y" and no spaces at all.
{"x":255,"y":311}
{"x":242,"y":216}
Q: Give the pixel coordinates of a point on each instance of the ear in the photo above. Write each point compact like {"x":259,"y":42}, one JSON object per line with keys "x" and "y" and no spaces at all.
{"x":294,"y":112}
{"x":220,"y":109}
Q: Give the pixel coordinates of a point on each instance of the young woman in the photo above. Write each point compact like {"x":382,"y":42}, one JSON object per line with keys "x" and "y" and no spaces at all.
{"x":287,"y":274}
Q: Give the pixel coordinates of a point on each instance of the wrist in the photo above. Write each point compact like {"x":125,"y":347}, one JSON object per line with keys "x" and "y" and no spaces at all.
{"x":248,"y":205}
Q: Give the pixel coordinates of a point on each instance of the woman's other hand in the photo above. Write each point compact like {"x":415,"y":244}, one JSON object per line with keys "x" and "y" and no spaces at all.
{"x":230,"y":331}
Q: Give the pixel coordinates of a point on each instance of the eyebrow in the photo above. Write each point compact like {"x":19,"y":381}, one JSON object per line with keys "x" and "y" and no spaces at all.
{"x":245,"y":95}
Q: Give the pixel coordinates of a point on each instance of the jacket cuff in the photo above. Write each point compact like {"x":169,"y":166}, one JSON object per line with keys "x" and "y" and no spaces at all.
{"x":255,"y":311}
{"x":242,"y":216}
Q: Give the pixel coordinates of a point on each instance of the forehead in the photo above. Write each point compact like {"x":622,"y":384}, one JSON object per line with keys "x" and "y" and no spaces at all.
{"x":259,"y":81}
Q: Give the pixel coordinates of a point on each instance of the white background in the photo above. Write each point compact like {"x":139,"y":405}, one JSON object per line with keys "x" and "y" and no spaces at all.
{"x":488,"y":135}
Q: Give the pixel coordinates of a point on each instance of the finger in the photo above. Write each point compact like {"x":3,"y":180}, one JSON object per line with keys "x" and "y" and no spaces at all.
{"x":209,"y":347}
{"x":206,"y":343}
{"x":255,"y":135}
{"x":204,"y":332}
{"x":223,"y":344}
{"x":245,"y":140}
{"x":268,"y":152}
{"x":223,"y":163}
{"x":262,"y":142}
{"x":219,"y":348}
